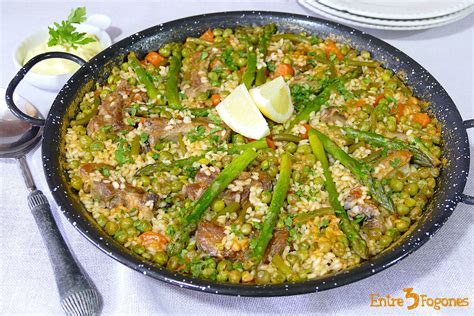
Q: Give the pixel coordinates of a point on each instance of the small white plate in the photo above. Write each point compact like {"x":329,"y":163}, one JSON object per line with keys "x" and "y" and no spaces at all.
{"x":95,"y":24}
{"x":399,"y":9}
{"x":382,"y":24}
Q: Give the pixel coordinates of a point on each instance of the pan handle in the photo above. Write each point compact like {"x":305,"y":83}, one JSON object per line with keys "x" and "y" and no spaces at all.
{"x":21,"y":74}
{"x":468,"y":199}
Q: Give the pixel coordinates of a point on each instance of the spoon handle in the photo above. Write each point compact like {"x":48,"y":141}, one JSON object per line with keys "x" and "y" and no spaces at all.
{"x":78,"y":295}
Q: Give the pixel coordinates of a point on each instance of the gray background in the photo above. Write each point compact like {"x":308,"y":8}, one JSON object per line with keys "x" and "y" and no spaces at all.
{"x":441,"y":268}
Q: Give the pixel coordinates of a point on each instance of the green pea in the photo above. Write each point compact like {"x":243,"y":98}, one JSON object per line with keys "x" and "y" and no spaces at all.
{"x":427,"y":191}
{"x":241,"y":61}
{"x":266,"y":197}
{"x":104,"y":94}
{"x":391,"y":124}
{"x":145,"y":180}
{"x":246,"y":229}
{"x":172,"y":263}
{"x":234,"y":276}
{"x":324,"y":246}
{"x":111,"y":79}
{"x":132,"y":232}
{"x":126,"y":223}
{"x":265,"y":165}
{"x":176,"y":186}
{"x":160,"y":258}
{"x":222,"y":276}
{"x":296,"y":176}
{"x":431,"y":183}
{"x":223,"y":265}
{"x":121,"y":236}
{"x":217,"y":32}
{"x":396,"y":185}
{"x":208,"y":272}
{"x":374,"y":233}
{"x":302,"y":254}
{"x":272,"y":171}
{"x":101,"y":220}
{"x":218,"y":205}
{"x":96,"y":146}
{"x":412,"y":189}
{"x":415,"y":213}
{"x":385,"y":241}
{"x":138,"y":249}
{"x":111,"y":228}
{"x":262,"y":277}
{"x":165,"y":51}
{"x":402,"y":209}
{"x":227,"y":33}
{"x":85,"y":141}
{"x":304,"y":149}
{"x":165,"y":155}
{"x":410,"y":202}
{"x":132,"y":81}
{"x":392,"y":233}
{"x":291,"y":147}
{"x":277,"y":277}
{"x":124,"y":66}
{"x":76,"y":182}
{"x":213,"y":76}
{"x":401,"y":225}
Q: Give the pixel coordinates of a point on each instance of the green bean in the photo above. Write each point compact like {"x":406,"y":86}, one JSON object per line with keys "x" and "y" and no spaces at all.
{"x":150,"y":169}
{"x":420,"y":157}
{"x":292,"y":37}
{"x":360,"y":170}
{"x":142,"y":75}
{"x":304,"y":217}
{"x":361,"y":63}
{"x":198,"y":41}
{"x":135,"y":150}
{"x":258,"y":144}
{"x":219,"y":184}
{"x":278,"y":262}
{"x":249,"y":74}
{"x":172,"y":91}
{"x":286,"y":138}
{"x":279,"y":196}
{"x":357,"y":243}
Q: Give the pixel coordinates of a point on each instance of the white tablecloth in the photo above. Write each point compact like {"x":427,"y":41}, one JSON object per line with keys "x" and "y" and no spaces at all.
{"x":441,"y":268}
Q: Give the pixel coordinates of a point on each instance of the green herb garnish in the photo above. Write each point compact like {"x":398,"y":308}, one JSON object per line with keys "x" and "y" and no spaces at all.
{"x":65,"y":34}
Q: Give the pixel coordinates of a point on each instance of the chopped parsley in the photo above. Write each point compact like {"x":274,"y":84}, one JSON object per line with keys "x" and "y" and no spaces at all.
{"x":227,"y":59}
{"x":204,"y":55}
{"x":105,"y":171}
{"x":197,"y":134}
{"x":395,"y":162}
{"x":144,"y":137}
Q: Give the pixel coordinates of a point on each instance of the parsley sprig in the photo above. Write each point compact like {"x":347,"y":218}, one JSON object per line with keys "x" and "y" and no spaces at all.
{"x":65,"y":34}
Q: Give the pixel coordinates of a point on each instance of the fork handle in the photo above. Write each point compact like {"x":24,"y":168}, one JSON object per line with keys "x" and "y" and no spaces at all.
{"x":78,"y":295}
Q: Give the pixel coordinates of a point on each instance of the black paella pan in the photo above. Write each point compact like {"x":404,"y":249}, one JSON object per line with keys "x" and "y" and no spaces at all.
{"x":450,"y":183}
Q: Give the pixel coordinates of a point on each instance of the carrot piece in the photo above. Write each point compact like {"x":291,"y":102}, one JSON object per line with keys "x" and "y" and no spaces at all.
{"x":360,"y":103}
{"x":421,"y":118}
{"x":270,"y":143}
{"x":216,"y":63}
{"x":216,"y":99}
{"x":306,"y":134}
{"x":208,"y":36}
{"x":153,"y":240}
{"x":284,"y":70}
{"x":399,"y":111}
{"x":154,"y":58}
{"x":332,"y":48}
{"x":378,"y":99}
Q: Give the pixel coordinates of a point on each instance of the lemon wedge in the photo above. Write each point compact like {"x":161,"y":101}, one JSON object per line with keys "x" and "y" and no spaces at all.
{"x":240,"y":113}
{"x":273,"y":99}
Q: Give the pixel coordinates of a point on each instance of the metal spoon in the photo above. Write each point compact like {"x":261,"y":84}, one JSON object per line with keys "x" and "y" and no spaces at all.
{"x":77,"y":293}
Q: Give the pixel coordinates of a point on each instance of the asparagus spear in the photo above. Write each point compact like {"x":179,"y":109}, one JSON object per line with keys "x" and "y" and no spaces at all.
{"x":312,"y":106}
{"x":359,"y":169}
{"x":172,"y":91}
{"x":292,"y":37}
{"x":357,"y":243}
{"x":220,"y":183}
{"x":279,"y":195}
{"x":421,"y":157}
{"x":149,"y":169}
{"x":269,"y":30}
{"x":249,"y":74}
{"x":142,"y":75}
{"x":304,"y":217}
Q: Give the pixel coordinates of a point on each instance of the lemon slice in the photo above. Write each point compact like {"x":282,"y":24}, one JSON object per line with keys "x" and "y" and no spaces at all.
{"x":273,"y":99}
{"x":241,"y":114}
